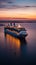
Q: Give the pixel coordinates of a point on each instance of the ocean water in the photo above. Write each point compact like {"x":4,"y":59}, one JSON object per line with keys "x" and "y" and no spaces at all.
{"x":16,"y":52}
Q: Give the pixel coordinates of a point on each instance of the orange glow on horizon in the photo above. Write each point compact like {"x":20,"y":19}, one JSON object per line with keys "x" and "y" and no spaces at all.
{"x":18,"y":14}
{"x":9,"y":18}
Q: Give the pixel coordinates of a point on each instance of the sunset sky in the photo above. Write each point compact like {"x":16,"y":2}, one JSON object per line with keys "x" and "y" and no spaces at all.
{"x":17,"y":9}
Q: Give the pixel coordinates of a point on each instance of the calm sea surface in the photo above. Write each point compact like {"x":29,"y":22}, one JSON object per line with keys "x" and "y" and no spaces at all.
{"x":13,"y":51}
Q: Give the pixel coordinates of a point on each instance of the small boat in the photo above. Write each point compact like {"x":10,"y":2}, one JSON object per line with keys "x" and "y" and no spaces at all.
{"x":18,"y":32}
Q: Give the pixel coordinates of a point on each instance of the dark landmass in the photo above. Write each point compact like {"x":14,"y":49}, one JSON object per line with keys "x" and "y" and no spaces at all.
{"x":2,"y":25}
{"x":18,"y":21}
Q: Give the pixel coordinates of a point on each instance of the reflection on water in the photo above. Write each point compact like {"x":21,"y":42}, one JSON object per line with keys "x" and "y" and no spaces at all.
{"x":12,"y":48}
{"x":14,"y":43}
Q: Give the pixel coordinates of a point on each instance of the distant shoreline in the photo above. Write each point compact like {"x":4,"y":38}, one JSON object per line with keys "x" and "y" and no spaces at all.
{"x":18,"y":21}
{"x":2,"y":25}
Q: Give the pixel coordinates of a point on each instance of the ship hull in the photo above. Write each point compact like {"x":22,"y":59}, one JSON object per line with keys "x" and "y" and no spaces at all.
{"x":6,"y":31}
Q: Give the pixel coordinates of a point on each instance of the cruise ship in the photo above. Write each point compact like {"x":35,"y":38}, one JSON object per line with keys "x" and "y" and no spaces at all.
{"x":16,"y":31}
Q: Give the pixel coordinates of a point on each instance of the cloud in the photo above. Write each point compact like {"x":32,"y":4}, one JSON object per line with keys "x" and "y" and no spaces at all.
{"x":6,"y":3}
{"x":9,"y":4}
{"x":7,"y":0}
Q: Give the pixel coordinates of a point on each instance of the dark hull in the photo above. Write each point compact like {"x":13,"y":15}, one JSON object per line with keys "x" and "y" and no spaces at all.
{"x":14,"y":34}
